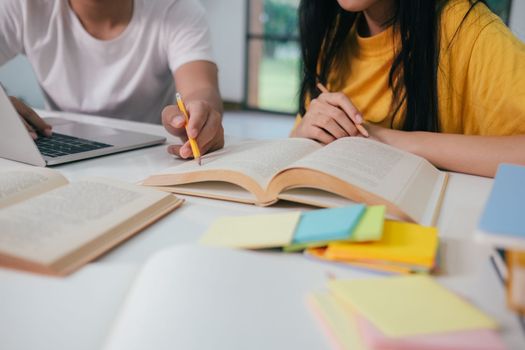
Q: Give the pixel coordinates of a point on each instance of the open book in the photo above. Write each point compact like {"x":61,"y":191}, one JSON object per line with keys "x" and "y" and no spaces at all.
{"x":53,"y":227}
{"x":301,"y":170}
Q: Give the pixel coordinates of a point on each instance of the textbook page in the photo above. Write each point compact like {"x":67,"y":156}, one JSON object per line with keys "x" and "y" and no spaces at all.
{"x":20,"y":183}
{"x":214,"y":190}
{"x":258,"y":160}
{"x":404,"y":179}
{"x":54,"y":224}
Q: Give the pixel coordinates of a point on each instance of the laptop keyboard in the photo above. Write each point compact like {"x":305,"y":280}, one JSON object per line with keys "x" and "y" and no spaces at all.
{"x":62,"y":145}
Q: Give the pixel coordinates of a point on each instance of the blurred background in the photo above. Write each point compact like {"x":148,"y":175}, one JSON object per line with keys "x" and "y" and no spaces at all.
{"x":257,"y":50}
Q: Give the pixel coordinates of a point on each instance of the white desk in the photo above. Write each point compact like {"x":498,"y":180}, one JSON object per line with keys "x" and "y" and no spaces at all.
{"x":76,"y":312}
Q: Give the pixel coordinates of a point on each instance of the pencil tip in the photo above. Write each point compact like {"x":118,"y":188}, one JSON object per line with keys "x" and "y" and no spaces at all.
{"x":199,"y":161}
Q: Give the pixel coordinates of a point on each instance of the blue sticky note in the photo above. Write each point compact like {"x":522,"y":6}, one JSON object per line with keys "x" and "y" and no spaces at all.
{"x":328,"y":224}
{"x":503,"y":220}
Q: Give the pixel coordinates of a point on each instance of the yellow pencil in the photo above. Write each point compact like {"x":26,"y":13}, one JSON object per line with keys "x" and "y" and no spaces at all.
{"x":193,"y":143}
{"x":359,"y":127}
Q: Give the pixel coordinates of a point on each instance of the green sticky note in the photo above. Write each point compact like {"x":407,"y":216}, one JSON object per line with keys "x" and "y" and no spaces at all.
{"x":370,"y":228}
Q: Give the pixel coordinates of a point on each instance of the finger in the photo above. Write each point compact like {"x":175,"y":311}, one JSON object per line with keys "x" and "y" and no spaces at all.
{"x":209,"y":131}
{"x":338,"y":99}
{"x":340,"y":117}
{"x":213,"y":144}
{"x":331,"y":126}
{"x":185,"y":151}
{"x":173,"y":120}
{"x":209,"y":147}
{"x":362,"y":130}
{"x":319,"y":134}
{"x":174,"y":149}
{"x":198,"y":115}
{"x":182,"y":151}
{"x":30,"y":129}
{"x":32,"y":117}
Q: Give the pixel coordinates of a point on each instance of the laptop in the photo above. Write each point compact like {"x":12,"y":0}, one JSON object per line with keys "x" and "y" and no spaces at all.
{"x":71,"y":141}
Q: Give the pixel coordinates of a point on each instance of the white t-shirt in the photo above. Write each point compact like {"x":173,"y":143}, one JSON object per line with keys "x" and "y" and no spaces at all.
{"x":129,"y":77}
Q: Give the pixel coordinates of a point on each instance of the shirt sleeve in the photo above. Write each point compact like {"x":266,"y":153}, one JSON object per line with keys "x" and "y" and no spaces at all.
{"x":496,"y":74}
{"x":186,"y":34}
{"x":11,"y":30}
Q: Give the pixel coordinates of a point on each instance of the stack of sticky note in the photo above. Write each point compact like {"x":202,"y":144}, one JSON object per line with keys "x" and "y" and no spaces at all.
{"x":296,"y":231}
{"x":355,"y":235}
{"x":402,"y":248}
{"x":407,"y":312}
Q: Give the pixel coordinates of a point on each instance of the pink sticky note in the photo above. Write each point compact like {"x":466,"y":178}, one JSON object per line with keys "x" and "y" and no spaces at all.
{"x":464,"y":340}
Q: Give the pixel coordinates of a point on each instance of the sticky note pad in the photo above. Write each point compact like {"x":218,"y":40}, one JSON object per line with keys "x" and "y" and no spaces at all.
{"x":341,"y":327}
{"x":370,"y":227}
{"x":349,"y":330}
{"x":328,"y":224}
{"x":409,"y":306}
{"x":252,"y":232}
{"x":401,"y":242}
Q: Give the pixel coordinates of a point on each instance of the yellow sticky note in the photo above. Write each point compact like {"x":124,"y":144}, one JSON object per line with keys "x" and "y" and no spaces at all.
{"x":389,"y":267}
{"x":401,"y":243}
{"x":253,"y":232}
{"x":410,"y":305}
{"x":340,"y":325}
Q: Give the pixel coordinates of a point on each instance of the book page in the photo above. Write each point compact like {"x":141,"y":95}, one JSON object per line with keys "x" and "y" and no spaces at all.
{"x":20,"y":183}
{"x":47,"y":227}
{"x":213,"y":190}
{"x":259,"y":160}
{"x":314,"y":197}
{"x":399,"y":177}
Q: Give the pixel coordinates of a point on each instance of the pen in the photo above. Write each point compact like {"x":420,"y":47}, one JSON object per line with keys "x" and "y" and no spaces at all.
{"x":359,"y":127}
{"x":193,"y":143}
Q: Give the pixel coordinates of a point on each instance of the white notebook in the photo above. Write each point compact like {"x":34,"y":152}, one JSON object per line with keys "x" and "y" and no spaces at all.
{"x":196,"y":297}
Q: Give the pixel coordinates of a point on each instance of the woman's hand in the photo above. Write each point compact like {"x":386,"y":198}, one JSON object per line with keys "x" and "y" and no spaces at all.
{"x":32,"y":121}
{"x":205,"y":126}
{"x":329,"y":117}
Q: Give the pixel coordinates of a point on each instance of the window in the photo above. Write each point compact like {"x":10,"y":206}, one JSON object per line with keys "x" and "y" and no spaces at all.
{"x":273,"y":56}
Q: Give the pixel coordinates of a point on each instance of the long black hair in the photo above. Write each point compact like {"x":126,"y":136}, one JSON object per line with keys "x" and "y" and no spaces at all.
{"x":324,"y":29}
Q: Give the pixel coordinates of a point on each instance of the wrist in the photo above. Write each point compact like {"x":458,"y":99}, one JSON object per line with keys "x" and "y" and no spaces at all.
{"x":408,"y":141}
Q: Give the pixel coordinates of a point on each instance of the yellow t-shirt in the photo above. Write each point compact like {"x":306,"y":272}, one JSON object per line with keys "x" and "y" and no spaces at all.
{"x":481,"y":74}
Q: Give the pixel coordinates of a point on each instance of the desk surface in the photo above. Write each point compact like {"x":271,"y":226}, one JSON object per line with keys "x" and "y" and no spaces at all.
{"x":77,"y":312}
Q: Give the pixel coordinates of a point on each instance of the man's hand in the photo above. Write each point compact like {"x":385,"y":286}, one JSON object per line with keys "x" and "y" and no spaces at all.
{"x":32,"y":121}
{"x":205,"y":126}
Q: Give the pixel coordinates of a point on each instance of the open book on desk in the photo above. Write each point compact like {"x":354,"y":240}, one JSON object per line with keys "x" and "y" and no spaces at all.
{"x":53,"y":227}
{"x":301,"y":170}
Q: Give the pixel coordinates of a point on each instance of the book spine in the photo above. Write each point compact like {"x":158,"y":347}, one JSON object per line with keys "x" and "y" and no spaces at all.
{"x":516,"y":281}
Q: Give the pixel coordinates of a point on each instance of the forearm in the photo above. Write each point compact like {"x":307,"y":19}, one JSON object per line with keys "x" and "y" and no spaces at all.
{"x":477,"y":155}
{"x":198,"y":81}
